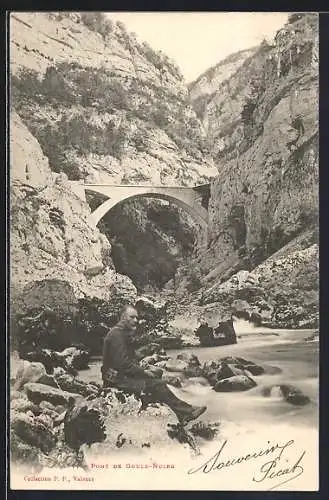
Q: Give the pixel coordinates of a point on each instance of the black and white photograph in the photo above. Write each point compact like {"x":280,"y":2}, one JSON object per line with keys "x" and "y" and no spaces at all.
{"x":164,"y":250}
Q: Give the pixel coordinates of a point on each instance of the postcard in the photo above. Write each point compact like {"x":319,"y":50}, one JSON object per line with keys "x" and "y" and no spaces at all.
{"x":164,"y":251}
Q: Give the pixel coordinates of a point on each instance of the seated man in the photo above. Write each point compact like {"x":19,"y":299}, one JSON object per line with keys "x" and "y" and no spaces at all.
{"x":122,"y":371}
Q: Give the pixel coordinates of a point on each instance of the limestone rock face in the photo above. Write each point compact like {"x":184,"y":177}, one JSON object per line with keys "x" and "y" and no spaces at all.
{"x":266,"y":192}
{"x":52,"y":245}
{"x":106,"y":107}
{"x":264,"y":137}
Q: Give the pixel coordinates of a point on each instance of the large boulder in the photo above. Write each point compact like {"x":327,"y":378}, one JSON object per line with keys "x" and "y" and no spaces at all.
{"x":83,"y":424}
{"x":244,"y":364}
{"x":23,"y":405}
{"x":219,"y":370}
{"x":32,"y":431}
{"x":290,"y":393}
{"x":194,"y":368}
{"x":23,"y":453}
{"x":170,"y":341}
{"x":236,"y":383}
{"x":41,"y":392}
{"x":68,"y":383}
{"x":28,"y":372}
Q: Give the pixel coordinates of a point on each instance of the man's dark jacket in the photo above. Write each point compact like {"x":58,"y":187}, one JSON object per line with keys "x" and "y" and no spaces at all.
{"x":119,"y":354}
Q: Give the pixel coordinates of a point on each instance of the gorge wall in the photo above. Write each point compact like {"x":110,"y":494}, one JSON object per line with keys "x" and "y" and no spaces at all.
{"x":261,"y":117}
{"x":90,"y":102}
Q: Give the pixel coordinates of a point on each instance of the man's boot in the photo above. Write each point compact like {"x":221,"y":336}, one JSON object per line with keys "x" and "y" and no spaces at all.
{"x":191,"y":414}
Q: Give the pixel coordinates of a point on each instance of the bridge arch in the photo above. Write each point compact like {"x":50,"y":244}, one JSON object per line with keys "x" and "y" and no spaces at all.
{"x":185,"y":198}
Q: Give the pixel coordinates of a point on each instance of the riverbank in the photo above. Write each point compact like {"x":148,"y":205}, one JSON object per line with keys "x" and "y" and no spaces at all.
{"x":138,"y":446}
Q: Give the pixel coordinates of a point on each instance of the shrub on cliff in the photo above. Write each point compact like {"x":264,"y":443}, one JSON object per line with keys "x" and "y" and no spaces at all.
{"x":96,"y":21}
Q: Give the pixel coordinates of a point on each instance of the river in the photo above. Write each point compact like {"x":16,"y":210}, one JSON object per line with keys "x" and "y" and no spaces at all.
{"x":286,"y":350}
{"x":248,"y":420}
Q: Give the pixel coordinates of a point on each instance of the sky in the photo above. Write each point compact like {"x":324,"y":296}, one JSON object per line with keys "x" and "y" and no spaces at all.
{"x":199,"y":40}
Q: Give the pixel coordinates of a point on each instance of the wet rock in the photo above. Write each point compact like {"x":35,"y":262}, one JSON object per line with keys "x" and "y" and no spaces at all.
{"x":176,"y":365}
{"x":290,"y":393}
{"x":33,"y":432}
{"x":219,"y":370}
{"x":149,"y":360}
{"x":172,"y":380}
{"x":191,"y":359}
{"x":294,"y":395}
{"x":50,"y":359}
{"x":40,"y":392}
{"x":58,"y":408}
{"x":62,"y":456}
{"x":236,"y":383}
{"x":194,"y":368}
{"x":244,"y":364}
{"x":205,"y":333}
{"x":256,"y":318}
{"x":49,"y":409}
{"x":120,"y":441}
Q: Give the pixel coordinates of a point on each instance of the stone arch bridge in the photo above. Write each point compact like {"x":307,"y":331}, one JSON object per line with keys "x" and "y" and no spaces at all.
{"x":193,"y":199}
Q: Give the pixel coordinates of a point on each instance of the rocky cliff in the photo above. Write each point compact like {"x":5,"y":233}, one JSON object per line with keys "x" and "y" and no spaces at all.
{"x":56,"y":257}
{"x":263,"y":128}
{"x":106,"y":108}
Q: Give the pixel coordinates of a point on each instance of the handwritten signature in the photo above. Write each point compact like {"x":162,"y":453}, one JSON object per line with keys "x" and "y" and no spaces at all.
{"x":270,"y":470}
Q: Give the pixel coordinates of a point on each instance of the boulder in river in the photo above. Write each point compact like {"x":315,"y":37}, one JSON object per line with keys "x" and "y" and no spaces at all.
{"x":220,"y":370}
{"x":176,"y":365}
{"x":41,"y":392}
{"x":191,"y":359}
{"x":244,"y":364}
{"x":290,"y":393}
{"x":172,"y":380}
{"x":236,"y":383}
